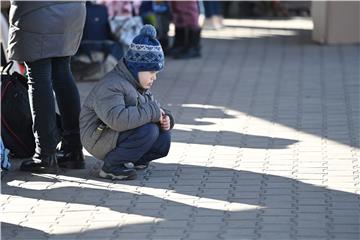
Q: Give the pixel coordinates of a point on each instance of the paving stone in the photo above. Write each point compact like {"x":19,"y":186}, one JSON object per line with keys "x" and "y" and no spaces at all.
{"x":276,"y":218}
{"x":66,"y":229}
{"x":132,"y":236}
{"x":347,"y":236}
{"x":106,"y":233}
{"x":30,"y":236}
{"x":311,"y":232}
{"x":275,"y":235}
{"x":275,"y":227}
{"x":239,"y":236}
{"x":202,"y":235}
{"x":278,"y":212}
{"x":165,"y":237}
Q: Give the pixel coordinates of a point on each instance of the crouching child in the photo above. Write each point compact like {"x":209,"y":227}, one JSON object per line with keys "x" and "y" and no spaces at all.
{"x":120,"y":121}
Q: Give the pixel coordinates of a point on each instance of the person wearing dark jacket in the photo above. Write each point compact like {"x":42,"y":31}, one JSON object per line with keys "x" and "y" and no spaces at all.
{"x":120,"y":121}
{"x":43,"y":35}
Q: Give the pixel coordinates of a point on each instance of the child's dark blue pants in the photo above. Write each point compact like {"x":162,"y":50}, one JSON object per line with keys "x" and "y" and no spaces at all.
{"x":141,"y":144}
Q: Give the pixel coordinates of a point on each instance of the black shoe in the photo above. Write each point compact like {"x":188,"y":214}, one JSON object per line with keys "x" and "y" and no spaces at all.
{"x":71,"y":159}
{"x":189,"y":53}
{"x":121,"y":172}
{"x":43,"y":165}
{"x":175,"y":51}
{"x":192,"y":48}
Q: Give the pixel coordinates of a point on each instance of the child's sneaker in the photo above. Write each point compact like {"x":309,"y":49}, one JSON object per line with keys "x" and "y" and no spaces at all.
{"x":125,"y":171}
{"x":141,"y":166}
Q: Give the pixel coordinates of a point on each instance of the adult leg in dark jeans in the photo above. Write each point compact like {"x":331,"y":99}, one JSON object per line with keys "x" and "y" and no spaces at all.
{"x":68,"y":99}
{"x":42,"y":106}
{"x":132,"y":147}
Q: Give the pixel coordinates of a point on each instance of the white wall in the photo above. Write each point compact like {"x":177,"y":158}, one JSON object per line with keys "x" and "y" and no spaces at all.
{"x":336,"y":22}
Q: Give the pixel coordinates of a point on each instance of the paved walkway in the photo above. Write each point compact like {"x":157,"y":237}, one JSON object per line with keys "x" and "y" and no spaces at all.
{"x":266,"y":146}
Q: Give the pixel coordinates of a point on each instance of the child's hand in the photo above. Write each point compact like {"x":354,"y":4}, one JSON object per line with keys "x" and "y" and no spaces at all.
{"x":164,"y":121}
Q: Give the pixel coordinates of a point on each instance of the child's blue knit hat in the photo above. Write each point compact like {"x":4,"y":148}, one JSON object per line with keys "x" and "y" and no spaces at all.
{"x":145,"y":52}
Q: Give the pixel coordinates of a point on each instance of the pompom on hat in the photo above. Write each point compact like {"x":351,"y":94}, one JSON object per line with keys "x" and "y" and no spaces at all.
{"x":145,"y":52}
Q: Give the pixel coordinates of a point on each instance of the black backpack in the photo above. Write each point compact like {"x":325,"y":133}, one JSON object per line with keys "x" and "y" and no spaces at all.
{"x":16,"y":120}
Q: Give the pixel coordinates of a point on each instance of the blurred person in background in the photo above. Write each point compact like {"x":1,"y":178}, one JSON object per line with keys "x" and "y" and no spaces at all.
{"x":121,"y":8}
{"x":185,"y":15}
{"x":157,"y":13}
{"x":213,"y":18}
{"x":163,"y":19}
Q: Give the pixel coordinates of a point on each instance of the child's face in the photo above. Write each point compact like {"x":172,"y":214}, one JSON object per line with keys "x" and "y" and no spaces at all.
{"x":147,"y":78}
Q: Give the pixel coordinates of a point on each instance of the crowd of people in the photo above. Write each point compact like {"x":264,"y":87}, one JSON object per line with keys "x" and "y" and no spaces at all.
{"x":183,"y":14}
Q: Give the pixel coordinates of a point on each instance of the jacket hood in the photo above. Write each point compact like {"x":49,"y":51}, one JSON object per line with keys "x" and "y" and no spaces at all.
{"x":122,"y":69}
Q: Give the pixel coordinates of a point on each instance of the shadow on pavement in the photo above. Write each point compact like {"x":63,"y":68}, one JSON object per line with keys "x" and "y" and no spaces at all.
{"x":11,"y":231}
{"x":194,"y":135}
{"x":189,"y":188}
{"x":231,"y":139}
{"x":313,"y":88}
